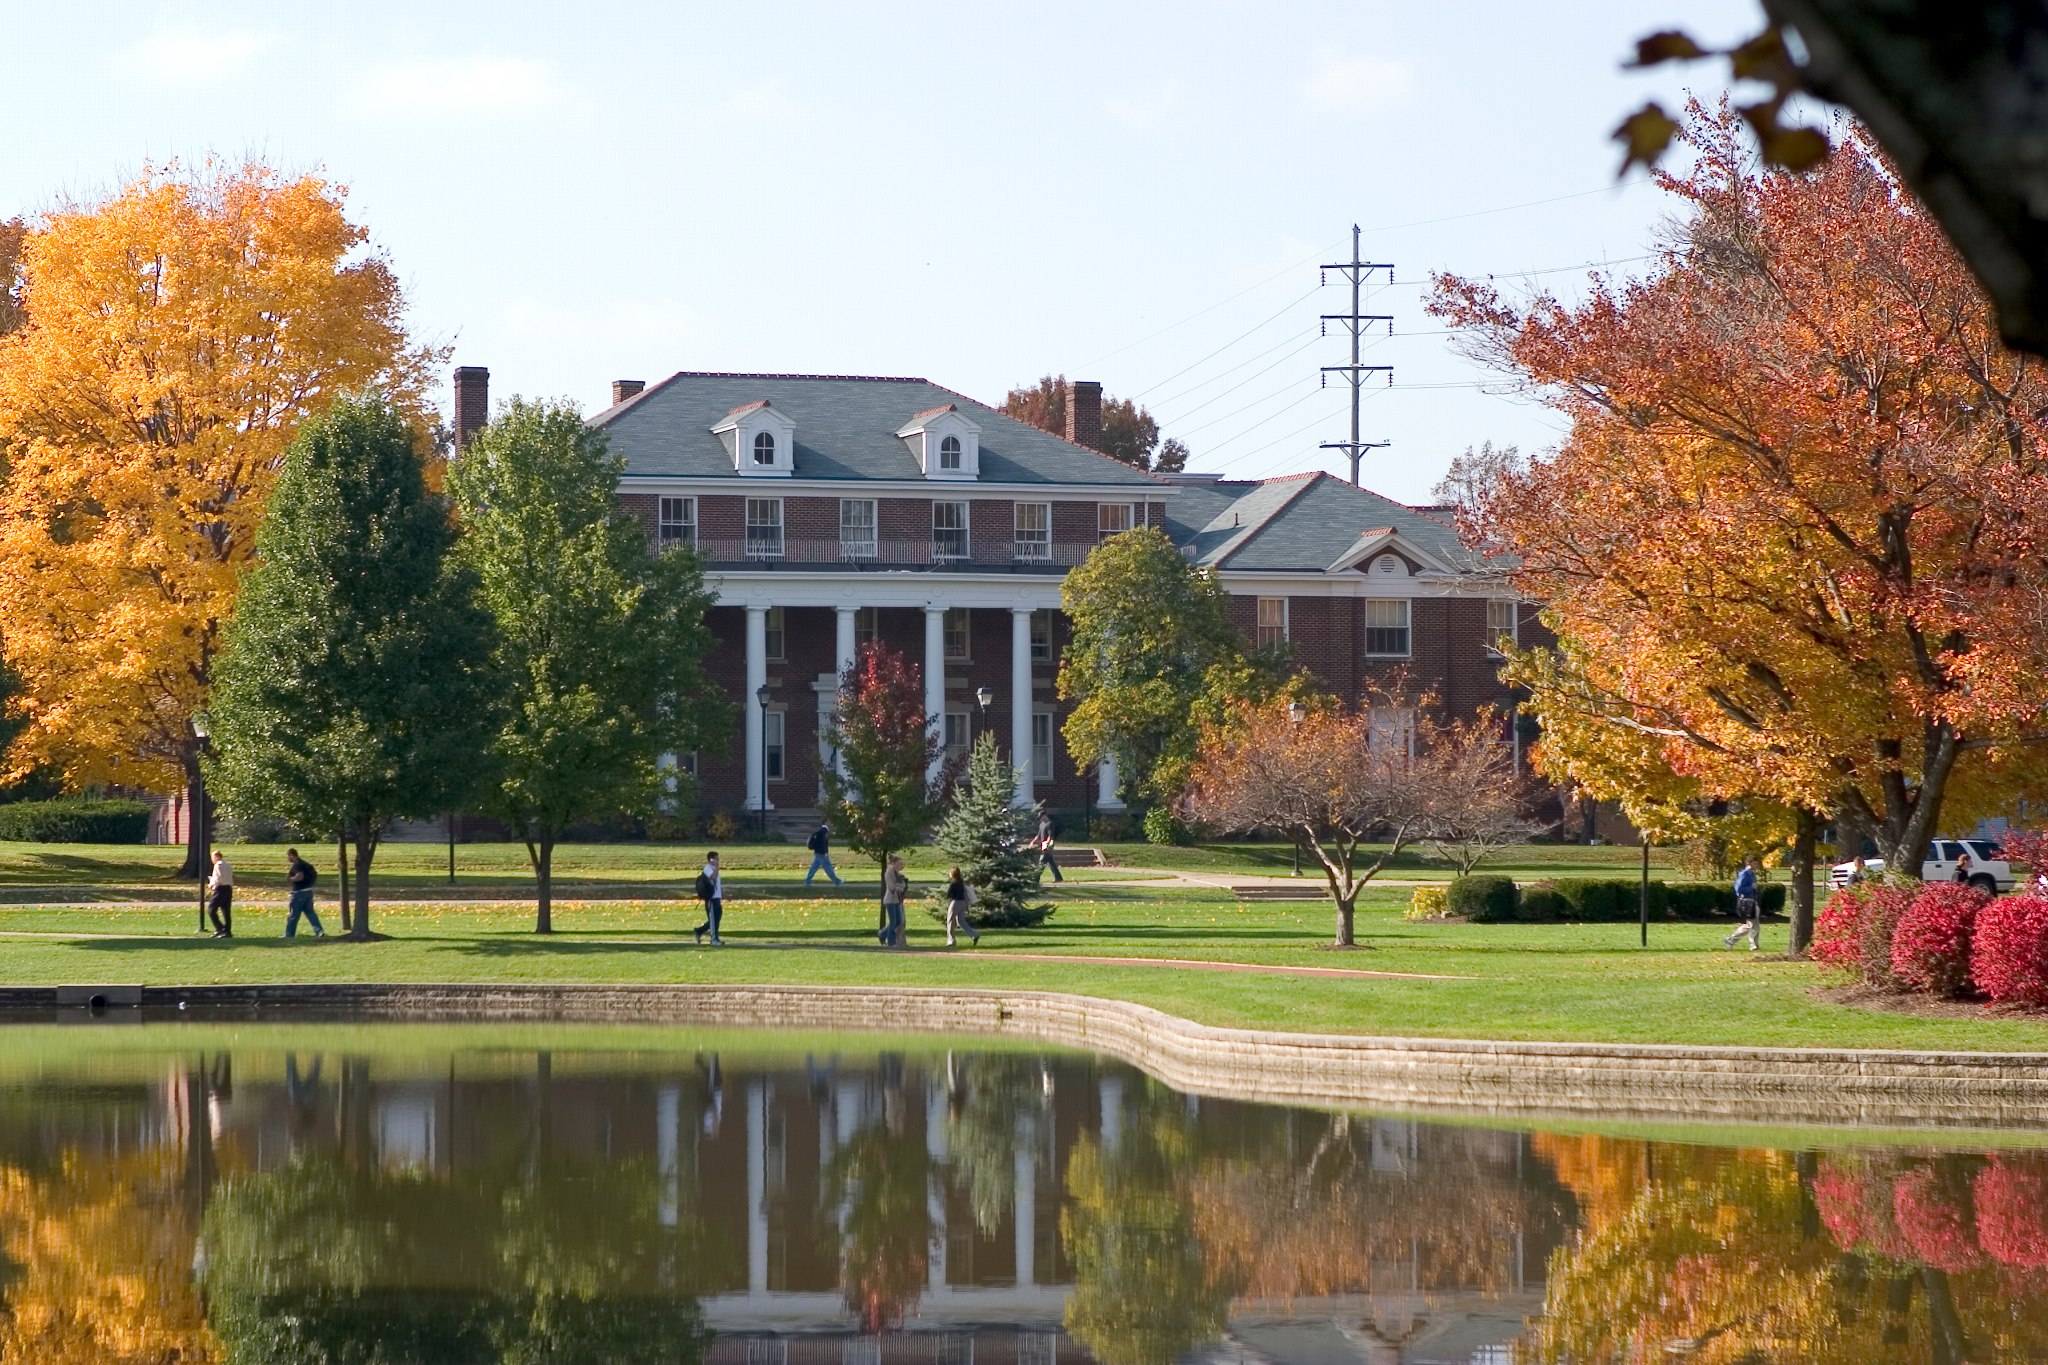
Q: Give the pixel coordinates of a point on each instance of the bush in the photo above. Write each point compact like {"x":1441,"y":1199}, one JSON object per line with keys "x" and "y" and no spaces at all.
{"x":1110,"y":829}
{"x":1483,"y":900}
{"x":1931,"y":943}
{"x":1604,"y":900}
{"x":722,"y":827}
{"x":1542,"y":903}
{"x":2009,"y":951}
{"x":1854,"y":931}
{"x":1838,"y":929}
{"x":1428,"y":902}
{"x":1161,"y":827}
{"x":75,"y":820}
{"x":1699,"y":900}
{"x":1770,"y":897}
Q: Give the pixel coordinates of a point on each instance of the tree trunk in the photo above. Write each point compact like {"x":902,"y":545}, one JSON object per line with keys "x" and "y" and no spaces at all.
{"x":1850,"y":831}
{"x":1345,"y":918}
{"x":1803,"y":842}
{"x":341,"y":880}
{"x":544,"y":878}
{"x":198,"y":823}
{"x":366,"y":848}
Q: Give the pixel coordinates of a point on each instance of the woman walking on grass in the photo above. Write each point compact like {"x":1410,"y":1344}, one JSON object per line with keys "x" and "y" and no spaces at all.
{"x":957,"y":898}
{"x":895,"y":888}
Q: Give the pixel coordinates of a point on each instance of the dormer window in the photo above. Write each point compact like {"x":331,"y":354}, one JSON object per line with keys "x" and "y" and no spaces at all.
{"x":945,"y":444}
{"x":759,"y":439}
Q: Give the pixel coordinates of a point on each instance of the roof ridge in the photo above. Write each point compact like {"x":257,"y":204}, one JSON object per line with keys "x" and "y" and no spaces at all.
{"x":1293,"y":496}
{"x":743,"y":374}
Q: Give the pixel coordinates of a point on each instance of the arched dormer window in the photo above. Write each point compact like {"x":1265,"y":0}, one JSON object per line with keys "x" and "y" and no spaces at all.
{"x":764,"y":448}
{"x":949,"y":453}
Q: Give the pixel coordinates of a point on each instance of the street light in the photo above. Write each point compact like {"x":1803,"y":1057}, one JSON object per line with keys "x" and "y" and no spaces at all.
{"x":982,"y":697}
{"x":202,"y":731}
{"x":761,"y":696}
{"x":1295,"y":712}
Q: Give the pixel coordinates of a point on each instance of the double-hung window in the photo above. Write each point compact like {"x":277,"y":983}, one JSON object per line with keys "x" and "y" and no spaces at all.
{"x":956,"y":634}
{"x":1501,"y":622}
{"x":1386,"y":627}
{"x":764,"y":527}
{"x":1272,"y":622}
{"x":677,"y":522}
{"x":867,"y":624}
{"x":1041,"y":636}
{"x":856,"y":528}
{"x":1111,"y":518}
{"x":1041,"y":746}
{"x":949,"y":530}
{"x":1391,"y":731}
{"x":1034,"y":530}
{"x":772,"y":733}
{"x":773,"y":633}
{"x":956,"y":735}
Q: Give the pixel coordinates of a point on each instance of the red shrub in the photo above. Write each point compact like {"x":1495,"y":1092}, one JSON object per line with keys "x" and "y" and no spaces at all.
{"x":1839,"y":1196}
{"x":1854,"y":930}
{"x":1932,"y":1207}
{"x":1931,"y":944}
{"x":1838,"y":929}
{"x":1857,"y":1204}
{"x":2012,"y":1210}
{"x":2009,"y":951}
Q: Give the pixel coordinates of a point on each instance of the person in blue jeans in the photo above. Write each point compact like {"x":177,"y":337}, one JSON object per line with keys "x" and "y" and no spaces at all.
{"x":820,"y":846}
{"x":300,"y":876}
{"x":1747,"y":907}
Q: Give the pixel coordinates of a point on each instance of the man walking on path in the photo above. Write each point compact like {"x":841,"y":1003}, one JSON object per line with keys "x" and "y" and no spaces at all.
{"x":1045,"y":847}
{"x":300,"y":876}
{"x":710,"y":890}
{"x":895,"y":889}
{"x":820,"y":846}
{"x":220,"y":897}
{"x":1747,"y":907}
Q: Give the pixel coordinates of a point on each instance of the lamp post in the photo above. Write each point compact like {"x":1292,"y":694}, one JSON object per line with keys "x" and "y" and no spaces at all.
{"x":982,"y":697}
{"x":1295,"y":712}
{"x":761,"y":696}
{"x":201,"y":731}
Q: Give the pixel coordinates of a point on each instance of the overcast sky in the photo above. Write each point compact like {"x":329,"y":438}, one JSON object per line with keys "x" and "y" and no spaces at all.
{"x":1135,"y":193}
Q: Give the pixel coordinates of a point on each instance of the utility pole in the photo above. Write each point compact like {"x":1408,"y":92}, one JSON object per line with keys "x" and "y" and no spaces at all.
{"x":1355,"y":270}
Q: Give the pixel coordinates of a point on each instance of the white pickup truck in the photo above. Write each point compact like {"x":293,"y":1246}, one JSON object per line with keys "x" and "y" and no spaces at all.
{"x":1989,"y":870}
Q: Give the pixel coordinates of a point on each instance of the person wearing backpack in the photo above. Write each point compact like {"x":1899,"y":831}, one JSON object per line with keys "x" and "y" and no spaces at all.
{"x":820,"y":845}
{"x":710,"y":890}
{"x":300,"y":876}
{"x":1046,"y":860}
{"x":1748,"y":907}
{"x":958,"y":897}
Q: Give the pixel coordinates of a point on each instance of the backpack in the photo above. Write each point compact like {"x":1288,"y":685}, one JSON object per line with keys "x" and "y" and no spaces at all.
{"x":703,"y":886}
{"x":816,"y":835}
{"x":312,"y":875}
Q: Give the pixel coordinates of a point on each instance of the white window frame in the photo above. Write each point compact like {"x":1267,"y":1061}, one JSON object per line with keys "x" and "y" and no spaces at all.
{"x":675,"y":521}
{"x":1033,"y":543}
{"x":764,"y":443}
{"x":1407,"y":628}
{"x":950,"y":452}
{"x":954,"y":730}
{"x":775,"y":634}
{"x":1041,"y":636}
{"x":1105,"y":526}
{"x":958,"y":616}
{"x":867,"y":626}
{"x":759,"y":544}
{"x":1496,"y":629}
{"x":774,"y":744}
{"x":1043,"y":737}
{"x":961,"y":530}
{"x":1281,"y":637}
{"x":851,"y":543}
{"x":1392,"y":722}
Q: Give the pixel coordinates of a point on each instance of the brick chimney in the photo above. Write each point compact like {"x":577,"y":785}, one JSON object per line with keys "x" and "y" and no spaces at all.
{"x":472,"y":402}
{"x":622,"y":389}
{"x":1084,"y":413}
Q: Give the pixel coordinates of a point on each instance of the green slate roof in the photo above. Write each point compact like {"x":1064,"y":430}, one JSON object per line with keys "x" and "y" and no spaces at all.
{"x":1305,"y":523}
{"x":846,"y":428}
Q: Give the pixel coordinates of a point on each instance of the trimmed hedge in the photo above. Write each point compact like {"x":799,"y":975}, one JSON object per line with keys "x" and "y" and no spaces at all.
{"x":1484,"y":899}
{"x":1542,"y":903}
{"x":1610,"y":900}
{"x":1700,"y":900}
{"x":75,"y":820}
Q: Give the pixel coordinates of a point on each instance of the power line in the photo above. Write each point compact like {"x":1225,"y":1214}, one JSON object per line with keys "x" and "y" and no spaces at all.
{"x":1226,"y":345}
{"x":1287,"y":269}
{"x":1247,"y":379}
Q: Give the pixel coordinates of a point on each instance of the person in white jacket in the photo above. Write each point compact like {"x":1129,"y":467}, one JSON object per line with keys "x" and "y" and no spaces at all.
{"x":220,"y":897}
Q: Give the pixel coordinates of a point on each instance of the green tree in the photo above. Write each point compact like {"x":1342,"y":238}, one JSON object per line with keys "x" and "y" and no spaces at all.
{"x":1129,"y":435}
{"x":882,"y":800}
{"x":989,"y":838}
{"x":1147,"y":626}
{"x":355,"y":686}
{"x":600,"y":641}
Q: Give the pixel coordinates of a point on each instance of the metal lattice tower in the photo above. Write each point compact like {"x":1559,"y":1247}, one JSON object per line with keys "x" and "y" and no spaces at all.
{"x":1356,"y":270}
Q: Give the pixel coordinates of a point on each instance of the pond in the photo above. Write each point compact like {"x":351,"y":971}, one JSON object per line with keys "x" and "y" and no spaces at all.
{"x":393,"y":1195}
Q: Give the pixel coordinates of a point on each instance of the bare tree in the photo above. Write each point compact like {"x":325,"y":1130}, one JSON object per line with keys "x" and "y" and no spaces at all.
{"x":1479,"y":806}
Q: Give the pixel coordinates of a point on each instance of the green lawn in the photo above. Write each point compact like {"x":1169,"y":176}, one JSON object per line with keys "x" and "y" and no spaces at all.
{"x":1572,"y":982}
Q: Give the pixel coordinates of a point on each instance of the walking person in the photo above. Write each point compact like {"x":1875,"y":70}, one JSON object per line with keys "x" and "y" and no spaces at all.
{"x":895,"y":888}
{"x":1046,"y":860}
{"x":820,"y":845}
{"x":710,"y":890}
{"x":220,"y":897}
{"x":300,"y":876}
{"x":1747,"y":907}
{"x":958,"y":897}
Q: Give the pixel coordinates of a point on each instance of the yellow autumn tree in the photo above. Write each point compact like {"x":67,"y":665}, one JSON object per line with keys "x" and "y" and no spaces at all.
{"x":170,"y":340}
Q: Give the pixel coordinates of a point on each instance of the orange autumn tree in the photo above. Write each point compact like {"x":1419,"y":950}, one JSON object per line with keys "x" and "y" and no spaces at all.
{"x":1792,"y":544}
{"x":172,"y":338}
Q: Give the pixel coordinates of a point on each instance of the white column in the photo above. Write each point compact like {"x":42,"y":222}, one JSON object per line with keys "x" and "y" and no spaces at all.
{"x":843,"y":651}
{"x":1020,"y":701}
{"x":757,"y":678}
{"x":935,"y":677}
{"x":757,"y":1188}
{"x":1105,"y":788}
{"x":1026,"y":1180}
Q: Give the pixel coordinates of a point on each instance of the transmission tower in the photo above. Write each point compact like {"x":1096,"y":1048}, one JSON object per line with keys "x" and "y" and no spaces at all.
{"x":1356,"y":270}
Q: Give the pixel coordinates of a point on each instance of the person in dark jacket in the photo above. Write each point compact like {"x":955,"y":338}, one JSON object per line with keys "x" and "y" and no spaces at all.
{"x":957,"y":899}
{"x":711,"y":891}
{"x":1046,"y":860}
{"x":820,"y":845}
{"x":300,"y":876}
{"x":1748,"y":907}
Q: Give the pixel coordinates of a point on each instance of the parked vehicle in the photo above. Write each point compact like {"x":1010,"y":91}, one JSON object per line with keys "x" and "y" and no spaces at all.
{"x":1989,"y":870}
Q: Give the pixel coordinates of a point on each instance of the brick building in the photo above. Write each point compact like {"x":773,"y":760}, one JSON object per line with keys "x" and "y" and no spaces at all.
{"x":833,"y":510}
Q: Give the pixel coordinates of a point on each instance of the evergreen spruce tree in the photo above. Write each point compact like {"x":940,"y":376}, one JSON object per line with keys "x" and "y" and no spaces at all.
{"x":355,"y":687}
{"x":990,"y":840}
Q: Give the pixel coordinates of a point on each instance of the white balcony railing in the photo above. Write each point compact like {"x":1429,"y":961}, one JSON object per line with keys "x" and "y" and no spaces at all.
{"x":886,"y":553}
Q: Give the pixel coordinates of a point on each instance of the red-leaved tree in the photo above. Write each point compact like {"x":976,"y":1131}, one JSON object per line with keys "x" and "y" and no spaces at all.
{"x":881,"y":799}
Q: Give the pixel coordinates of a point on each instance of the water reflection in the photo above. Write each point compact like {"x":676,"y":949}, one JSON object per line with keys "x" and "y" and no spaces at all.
{"x":551,"y":1205}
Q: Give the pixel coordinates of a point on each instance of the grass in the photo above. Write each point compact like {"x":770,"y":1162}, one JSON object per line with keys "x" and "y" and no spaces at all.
{"x":1511,"y":981}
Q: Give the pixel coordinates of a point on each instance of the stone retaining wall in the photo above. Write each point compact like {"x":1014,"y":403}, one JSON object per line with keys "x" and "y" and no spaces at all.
{"x":1578,"y":1081}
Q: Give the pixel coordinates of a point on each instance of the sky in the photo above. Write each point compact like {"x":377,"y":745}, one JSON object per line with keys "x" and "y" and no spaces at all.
{"x":1134,"y":193}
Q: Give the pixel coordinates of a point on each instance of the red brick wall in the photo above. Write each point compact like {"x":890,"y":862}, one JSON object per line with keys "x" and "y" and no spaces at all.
{"x":813,"y":519}
{"x":991,"y":531}
{"x":721,"y":518}
{"x":646,"y":507}
{"x":1073,"y":523}
{"x":904,"y":519}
